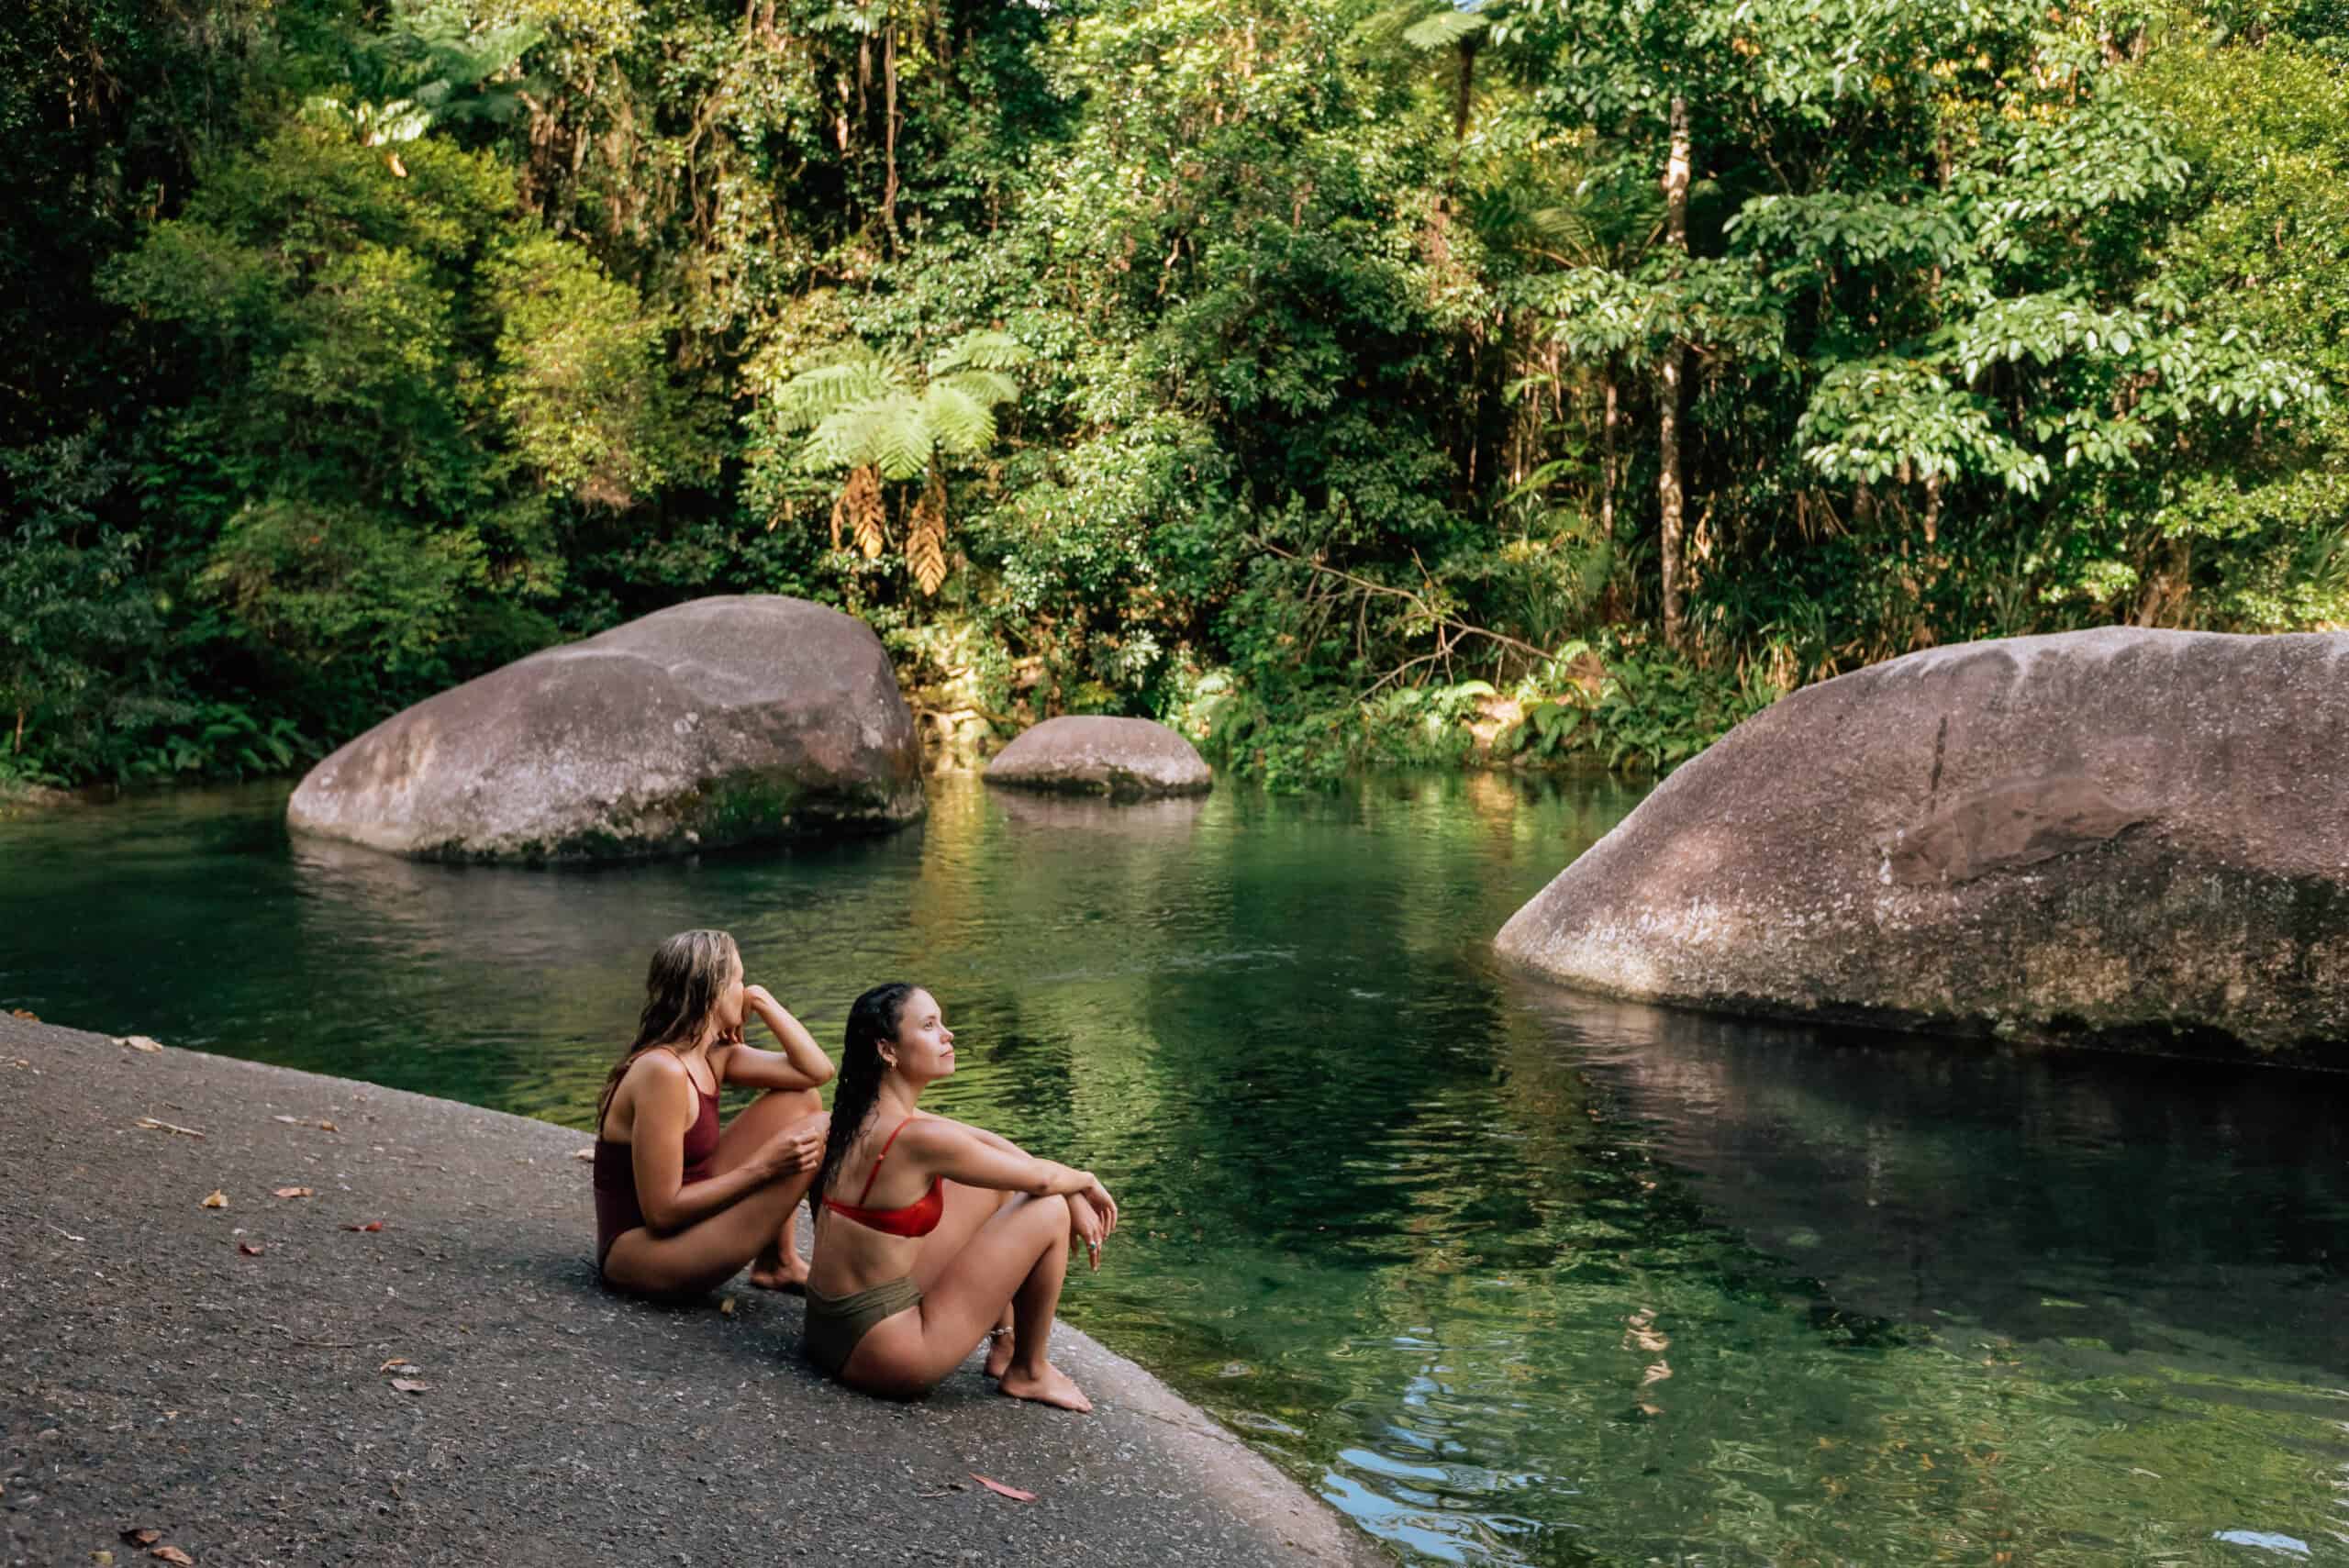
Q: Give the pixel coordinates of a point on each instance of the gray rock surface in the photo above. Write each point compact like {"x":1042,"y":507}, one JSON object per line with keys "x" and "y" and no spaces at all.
{"x":1125,"y":759}
{"x":2120,"y":836}
{"x":154,"y":1375}
{"x":721,"y":721}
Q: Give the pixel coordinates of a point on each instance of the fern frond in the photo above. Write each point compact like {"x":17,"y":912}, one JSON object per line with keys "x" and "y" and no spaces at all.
{"x":822,"y":390}
{"x":981,"y":351}
{"x":957,"y":422}
{"x":1443,"y":29}
{"x":985,"y":388}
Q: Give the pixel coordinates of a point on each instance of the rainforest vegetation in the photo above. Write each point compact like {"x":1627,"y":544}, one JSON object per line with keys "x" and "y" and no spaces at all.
{"x":1343,"y":381}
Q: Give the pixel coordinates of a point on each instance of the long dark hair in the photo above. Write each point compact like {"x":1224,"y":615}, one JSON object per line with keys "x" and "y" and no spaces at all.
{"x":872,"y":1022}
{"x":681,"y":991}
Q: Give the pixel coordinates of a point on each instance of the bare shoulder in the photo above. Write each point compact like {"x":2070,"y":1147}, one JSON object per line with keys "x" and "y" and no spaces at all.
{"x":929,"y":1135}
{"x":660,"y":1069}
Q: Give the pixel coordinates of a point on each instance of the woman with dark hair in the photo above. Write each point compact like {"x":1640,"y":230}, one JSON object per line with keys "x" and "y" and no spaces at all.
{"x":680,"y":1203}
{"x":953,"y":1229}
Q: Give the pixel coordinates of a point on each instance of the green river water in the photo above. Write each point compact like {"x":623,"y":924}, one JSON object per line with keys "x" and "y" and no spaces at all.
{"x":1507,"y":1276}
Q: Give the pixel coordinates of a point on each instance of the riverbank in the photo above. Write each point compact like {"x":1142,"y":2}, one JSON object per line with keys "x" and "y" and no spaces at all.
{"x":233,"y":1378}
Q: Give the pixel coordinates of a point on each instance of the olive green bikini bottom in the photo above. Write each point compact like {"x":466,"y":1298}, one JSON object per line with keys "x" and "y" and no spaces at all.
{"x":837,"y":1324}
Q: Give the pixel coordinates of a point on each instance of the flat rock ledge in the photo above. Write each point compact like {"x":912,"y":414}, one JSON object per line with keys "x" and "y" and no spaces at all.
{"x":156,"y":1374}
{"x":722,"y":721}
{"x":2122,"y":837}
{"x":1124,"y":759}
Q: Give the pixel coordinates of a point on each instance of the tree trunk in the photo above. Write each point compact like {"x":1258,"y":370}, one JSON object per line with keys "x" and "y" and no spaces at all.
{"x":889,"y":111}
{"x":1670,"y":504}
{"x":1607,"y":464}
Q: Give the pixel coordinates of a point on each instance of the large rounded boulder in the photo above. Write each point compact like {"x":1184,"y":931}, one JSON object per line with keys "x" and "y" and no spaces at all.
{"x":1125,"y":759}
{"x":2119,"y":837}
{"x":722,"y":721}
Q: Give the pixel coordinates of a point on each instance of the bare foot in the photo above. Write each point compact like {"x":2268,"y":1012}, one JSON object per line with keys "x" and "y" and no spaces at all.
{"x":1051,"y":1387}
{"x":999,"y":1348}
{"x":778,"y":1270}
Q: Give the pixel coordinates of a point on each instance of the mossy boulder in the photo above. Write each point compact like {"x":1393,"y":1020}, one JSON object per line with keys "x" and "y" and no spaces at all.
{"x":721,"y":721}
{"x":2119,"y":837}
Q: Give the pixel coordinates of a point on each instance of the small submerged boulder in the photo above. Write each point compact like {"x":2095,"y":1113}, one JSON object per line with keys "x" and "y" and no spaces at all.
{"x":2125,"y":836}
{"x":720,"y":721}
{"x":1125,"y":759}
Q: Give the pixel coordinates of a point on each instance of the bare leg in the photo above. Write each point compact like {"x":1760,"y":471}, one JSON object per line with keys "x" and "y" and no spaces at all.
{"x":708,"y":1253}
{"x":967,"y":1209}
{"x":778,"y":1265}
{"x":1018,"y":1255}
{"x":1027,"y":1373}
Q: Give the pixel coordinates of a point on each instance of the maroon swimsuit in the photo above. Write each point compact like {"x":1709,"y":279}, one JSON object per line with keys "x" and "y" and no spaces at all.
{"x":618,"y":1212}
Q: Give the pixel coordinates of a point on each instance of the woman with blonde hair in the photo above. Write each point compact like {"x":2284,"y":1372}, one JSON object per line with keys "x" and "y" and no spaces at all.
{"x":952,"y":1231}
{"x":681,"y":1203}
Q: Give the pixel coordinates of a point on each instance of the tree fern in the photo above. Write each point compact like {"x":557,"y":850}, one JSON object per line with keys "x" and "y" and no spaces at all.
{"x":1443,"y":29}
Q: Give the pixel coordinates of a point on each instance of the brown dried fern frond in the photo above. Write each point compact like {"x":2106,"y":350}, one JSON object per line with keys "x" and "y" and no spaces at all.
{"x":926,"y":539}
{"x":859,"y":511}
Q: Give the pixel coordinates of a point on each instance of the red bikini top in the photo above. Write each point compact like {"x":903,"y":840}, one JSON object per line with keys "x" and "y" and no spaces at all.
{"x":918,"y":1217}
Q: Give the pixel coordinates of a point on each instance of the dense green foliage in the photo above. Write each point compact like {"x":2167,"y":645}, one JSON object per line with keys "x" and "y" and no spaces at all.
{"x":1372,"y":379}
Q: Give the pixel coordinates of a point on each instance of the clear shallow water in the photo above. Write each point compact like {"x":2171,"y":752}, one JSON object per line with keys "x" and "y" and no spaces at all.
{"x":1509,"y":1275}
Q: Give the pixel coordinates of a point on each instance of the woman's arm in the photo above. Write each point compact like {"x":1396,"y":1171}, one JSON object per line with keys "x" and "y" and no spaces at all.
{"x":800,"y":1064}
{"x":949,"y":1149}
{"x":657,"y":1151}
{"x":1094,"y":1220}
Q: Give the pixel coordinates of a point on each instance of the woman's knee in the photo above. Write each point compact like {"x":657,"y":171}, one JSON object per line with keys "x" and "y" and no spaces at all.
{"x":1047,"y":1210}
{"x":790,"y":1104}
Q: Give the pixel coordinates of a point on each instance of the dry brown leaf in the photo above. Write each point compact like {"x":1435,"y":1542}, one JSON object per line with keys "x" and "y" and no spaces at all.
{"x":218,"y":1200}
{"x":329,"y":1127}
{"x":138,"y":1536}
{"x":408,"y":1385}
{"x":293,"y":1192}
{"x":25,"y":1013}
{"x":249,"y":1249}
{"x":1013,"y":1493}
{"x":726,"y":1308}
{"x":138,"y":1042}
{"x":395,"y":1361}
{"x":370,"y":1224}
{"x":171,"y":1554}
{"x":399,"y":170}
{"x":306,"y":1121}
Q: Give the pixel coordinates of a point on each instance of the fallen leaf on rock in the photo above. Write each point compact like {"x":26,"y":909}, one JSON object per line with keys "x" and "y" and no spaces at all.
{"x":395,"y":1361}
{"x":248,"y":1249}
{"x":293,"y":1192}
{"x":140,"y":1537}
{"x":171,"y":1554}
{"x":25,"y":1013}
{"x":726,"y":1308}
{"x":306,"y":1121}
{"x":588,"y":1154}
{"x":370,"y":1224}
{"x":138,"y":1042}
{"x":408,"y":1385}
{"x":103,"y":1559}
{"x":149,"y":1124}
{"x":997,"y":1487}
{"x":218,"y":1200}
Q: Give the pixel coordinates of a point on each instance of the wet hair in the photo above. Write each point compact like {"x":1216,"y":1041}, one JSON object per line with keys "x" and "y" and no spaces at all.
{"x":873,"y":1022}
{"x":689,"y":973}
